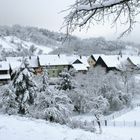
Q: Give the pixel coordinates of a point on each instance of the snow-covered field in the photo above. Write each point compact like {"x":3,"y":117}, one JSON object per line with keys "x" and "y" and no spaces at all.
{"x":133,"y":115}
{"x":18,"y":128}
{"x":126,"y":133}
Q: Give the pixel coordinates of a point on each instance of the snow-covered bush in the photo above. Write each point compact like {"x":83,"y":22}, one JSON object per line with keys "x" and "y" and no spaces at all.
{"x":98,"y":92}
{"x":87,"y":126}
{"x":52,"y":105}
{"x":85,"y":102}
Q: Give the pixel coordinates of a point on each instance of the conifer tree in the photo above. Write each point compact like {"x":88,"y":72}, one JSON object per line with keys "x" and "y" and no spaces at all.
{"x":66,"y":81}
{"x":24,"y":87}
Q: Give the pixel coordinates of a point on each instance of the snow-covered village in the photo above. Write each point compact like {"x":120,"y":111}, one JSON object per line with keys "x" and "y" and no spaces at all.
{"x":69,"y":70}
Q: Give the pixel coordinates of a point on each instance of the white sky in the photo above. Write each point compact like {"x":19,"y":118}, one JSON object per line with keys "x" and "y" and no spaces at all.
{"x":46,"y":14}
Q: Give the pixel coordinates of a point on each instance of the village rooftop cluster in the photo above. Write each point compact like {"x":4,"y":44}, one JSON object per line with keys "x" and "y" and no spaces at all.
{"x":55,"y":64}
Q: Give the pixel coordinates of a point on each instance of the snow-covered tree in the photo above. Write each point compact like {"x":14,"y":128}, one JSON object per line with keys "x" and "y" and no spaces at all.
{"x":84,"y":12}
{"x":65,"y":81}
{"x":7,"y":100}
{"x":24,"y":87}
{"x":44,"y":80}
{"x":97,"y":85}
{"x":52,"y":105}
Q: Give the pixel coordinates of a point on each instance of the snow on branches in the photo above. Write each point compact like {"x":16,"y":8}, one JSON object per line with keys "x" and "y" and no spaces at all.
{"x":24,"y":87}
{"x":85,"y":12}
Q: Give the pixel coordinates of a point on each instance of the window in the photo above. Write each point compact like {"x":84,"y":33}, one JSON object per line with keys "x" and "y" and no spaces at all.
{"x":3,"y":72}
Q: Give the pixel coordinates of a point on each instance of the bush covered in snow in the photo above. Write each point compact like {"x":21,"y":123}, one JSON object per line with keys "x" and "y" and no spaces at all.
{"x":23,"y":96}
{"x":99,"y":92}
{"x":52,"y":105}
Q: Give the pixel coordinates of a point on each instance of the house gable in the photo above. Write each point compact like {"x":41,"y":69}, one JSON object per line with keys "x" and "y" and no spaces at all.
{"x":77,"y":62}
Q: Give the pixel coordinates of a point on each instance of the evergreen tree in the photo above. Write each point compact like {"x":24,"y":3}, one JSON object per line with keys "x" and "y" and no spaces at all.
{"x":44,"y":80}
{"x":24,"y":87}
{"x":7,"y":100}
{"x":65,"y":82}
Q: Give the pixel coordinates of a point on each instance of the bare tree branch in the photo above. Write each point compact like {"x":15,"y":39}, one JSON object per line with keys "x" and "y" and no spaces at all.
{"x":99,"y":11}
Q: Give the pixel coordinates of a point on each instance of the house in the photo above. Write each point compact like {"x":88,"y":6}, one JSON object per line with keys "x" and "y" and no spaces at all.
{"x":110,"y":62}
{"x":4,"y":72}
{"x":92,"y":59}
{"x":79,"y":63}
{"x":84,"y":60}
{"x":54,"y":63}
{"x":134,"y":62}
{"x":16,"y":62}
{"x":80,"y":68}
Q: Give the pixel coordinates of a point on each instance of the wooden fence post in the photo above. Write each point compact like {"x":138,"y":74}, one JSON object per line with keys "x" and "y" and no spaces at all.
{"x":114,"y":124}
{"x":105,"y":122}
{"x":124,"y":122}
{"x":135,"y":123}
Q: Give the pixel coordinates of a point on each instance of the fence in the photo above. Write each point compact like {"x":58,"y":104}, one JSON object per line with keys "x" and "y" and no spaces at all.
{"x":121,"y":112}
{"x":120,"y":123}
{"x":106,"y":121}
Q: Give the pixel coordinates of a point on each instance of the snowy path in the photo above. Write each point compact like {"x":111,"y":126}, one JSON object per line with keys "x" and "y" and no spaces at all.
{"x":18,"y":128}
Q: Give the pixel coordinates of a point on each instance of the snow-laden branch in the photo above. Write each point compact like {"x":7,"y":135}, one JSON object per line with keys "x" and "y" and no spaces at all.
{"x":104,"y":4}
{"x":99,"y":11}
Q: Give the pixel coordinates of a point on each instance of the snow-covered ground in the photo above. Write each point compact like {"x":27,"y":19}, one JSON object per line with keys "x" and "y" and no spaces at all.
{"x":126,"y":133}
{"x":18,"y":128}
{"x":126,"y":126}
{"x":133,"y":115}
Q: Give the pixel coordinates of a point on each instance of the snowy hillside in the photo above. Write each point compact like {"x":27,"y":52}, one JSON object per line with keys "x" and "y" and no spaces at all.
{"x":71,"y":45}
{"x":17,"y":128}
{"x":130,"y":50}
{"x":12,"y":43}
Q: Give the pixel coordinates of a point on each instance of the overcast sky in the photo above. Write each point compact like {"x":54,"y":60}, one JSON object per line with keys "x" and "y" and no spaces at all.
{"x":46,"y":14}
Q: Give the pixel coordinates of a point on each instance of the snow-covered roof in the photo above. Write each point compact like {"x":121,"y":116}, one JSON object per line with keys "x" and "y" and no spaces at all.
{"x":51,"y":60}
{"x":72,"y":58}
{"x":5,"y":76}
{"x":113,"y":60}
{"x":79,"y":67}
{"x":33,"y":61}
{"x":135,"y":60}
{"x":84,"y":60}
{"x":16,"y":62}
{"x":4,"y":65}
{"x":96,"y":56}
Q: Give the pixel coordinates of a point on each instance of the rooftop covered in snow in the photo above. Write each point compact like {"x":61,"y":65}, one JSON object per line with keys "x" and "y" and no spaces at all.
{"x":51,"y":60}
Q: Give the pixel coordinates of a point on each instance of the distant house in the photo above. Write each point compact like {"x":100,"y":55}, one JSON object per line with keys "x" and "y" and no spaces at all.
{"x":55,"y":64}
{"x":84,"y":60}
{"x":109,"y":62}
{"x":16,"y":62}
{"x":4,"y":72}
{"x":92,"y":59}
{"x":80,"y":68}
{"x":79,"y":63}
{"x":134,"y":62}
